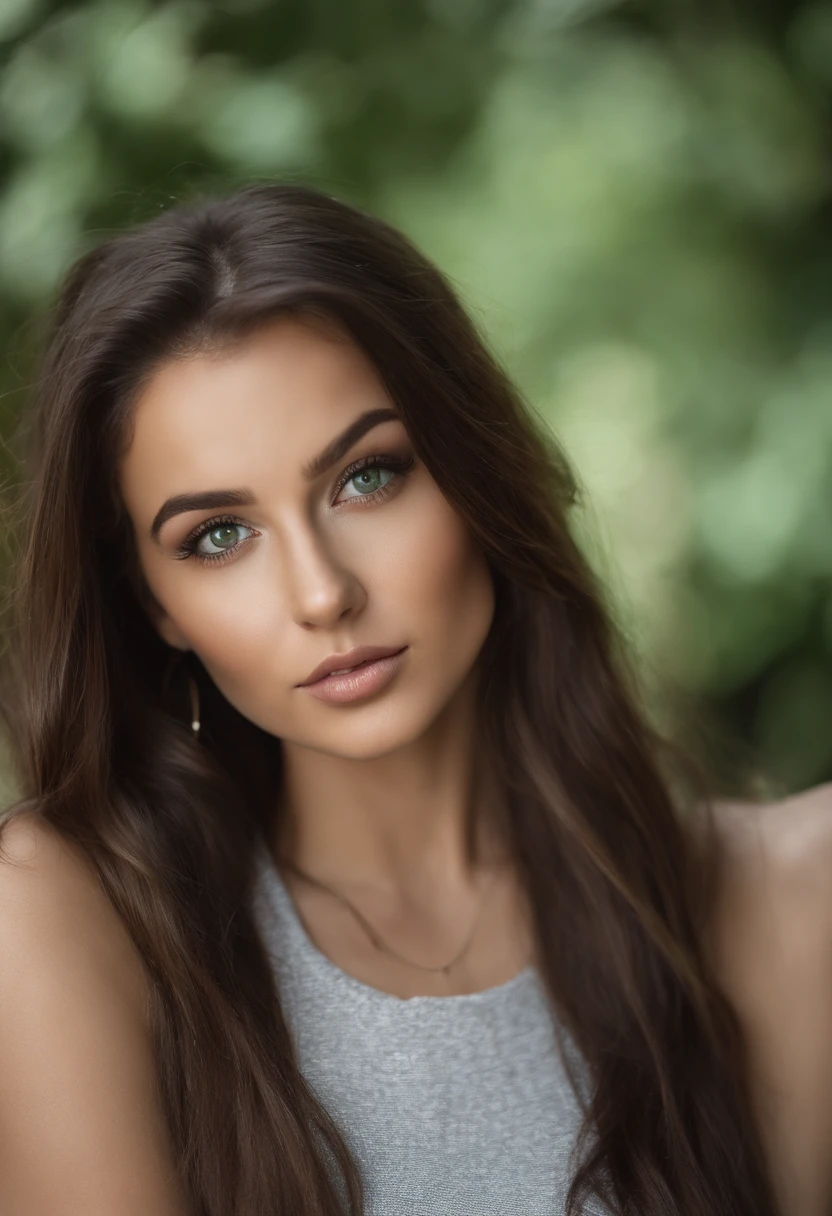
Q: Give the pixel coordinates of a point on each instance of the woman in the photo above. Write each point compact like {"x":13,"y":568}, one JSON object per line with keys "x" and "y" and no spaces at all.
{"x":439,"y":934}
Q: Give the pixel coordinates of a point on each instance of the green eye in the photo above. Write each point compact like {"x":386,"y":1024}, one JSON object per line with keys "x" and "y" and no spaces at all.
{"x":222,"y":536}
{"x":215,"y":540}
{"x":368,"y":480}
{"x":374,"y":477}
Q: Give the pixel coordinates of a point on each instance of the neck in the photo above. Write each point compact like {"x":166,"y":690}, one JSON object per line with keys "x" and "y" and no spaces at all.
{"x":421,"y":812}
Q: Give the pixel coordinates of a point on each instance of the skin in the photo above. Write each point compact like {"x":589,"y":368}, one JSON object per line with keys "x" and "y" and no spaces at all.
{"x":377,"y":793}
{"x":376,"y":798}
{"x":771,"y":947}
{"x":82,"y":1129}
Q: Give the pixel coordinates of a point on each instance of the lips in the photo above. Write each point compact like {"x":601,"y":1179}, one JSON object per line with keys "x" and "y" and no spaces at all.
{"x":344,"y":671}
{"x":363,"y":682}
{"x":357,"y":657}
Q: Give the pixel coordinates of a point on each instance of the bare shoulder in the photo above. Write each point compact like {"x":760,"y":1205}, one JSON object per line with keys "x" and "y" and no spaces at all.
{"x":781,"y":851}
{"x":44,"y":878}
{"x":773,"y":918}
{"x":83,"y":1128}
{"x":30,"y":845}
{"x":50,"y":893}
{"x":772,"y":951}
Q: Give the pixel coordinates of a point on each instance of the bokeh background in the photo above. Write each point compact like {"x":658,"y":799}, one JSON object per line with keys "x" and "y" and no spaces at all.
{"x":632,"y":197}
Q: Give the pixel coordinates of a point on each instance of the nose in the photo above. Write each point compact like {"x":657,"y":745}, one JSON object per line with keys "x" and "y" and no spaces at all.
{"x":321,"y":588}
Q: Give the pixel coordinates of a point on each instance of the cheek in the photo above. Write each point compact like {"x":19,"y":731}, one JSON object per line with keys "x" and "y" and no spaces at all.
{"x":444,"y":584}
{"x":229,"y":618}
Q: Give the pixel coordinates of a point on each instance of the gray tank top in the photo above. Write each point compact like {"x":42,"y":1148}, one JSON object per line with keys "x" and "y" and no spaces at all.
{"x":451,"y":1105}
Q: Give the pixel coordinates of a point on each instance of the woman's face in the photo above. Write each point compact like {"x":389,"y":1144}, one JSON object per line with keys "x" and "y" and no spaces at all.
{"x":307,"y":562}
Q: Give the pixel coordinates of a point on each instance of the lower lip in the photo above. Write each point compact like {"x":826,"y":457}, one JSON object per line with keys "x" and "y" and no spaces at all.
{"x":362,"y":682}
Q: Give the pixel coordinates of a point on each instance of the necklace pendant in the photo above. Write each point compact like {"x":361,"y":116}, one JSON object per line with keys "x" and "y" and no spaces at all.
{"x":378,"y":943}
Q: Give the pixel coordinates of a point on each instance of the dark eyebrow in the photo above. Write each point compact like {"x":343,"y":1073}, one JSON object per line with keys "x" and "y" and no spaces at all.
{"x":207,"y":500}
{"x":342,"y":443}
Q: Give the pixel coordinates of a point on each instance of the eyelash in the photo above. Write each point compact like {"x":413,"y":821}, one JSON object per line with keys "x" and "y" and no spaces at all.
{"x":399,"y":465}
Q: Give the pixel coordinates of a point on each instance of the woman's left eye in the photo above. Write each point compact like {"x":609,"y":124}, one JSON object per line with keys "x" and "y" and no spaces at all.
{"x":369,"y":480}
{"x":375,"y":477}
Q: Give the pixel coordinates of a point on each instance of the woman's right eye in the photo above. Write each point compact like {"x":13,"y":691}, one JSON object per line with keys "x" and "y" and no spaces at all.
{"x":222,"y":537}
{"x":215,"y":541}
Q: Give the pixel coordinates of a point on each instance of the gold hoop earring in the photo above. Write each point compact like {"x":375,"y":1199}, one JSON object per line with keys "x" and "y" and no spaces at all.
{"x":194,"y":691}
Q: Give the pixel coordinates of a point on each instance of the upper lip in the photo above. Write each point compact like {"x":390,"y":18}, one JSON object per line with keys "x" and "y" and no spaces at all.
{"x":359,"y":654}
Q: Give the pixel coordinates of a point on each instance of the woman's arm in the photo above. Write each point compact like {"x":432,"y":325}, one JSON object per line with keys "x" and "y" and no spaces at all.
{"x":772,"y":949}
{"x":81,"y":1128}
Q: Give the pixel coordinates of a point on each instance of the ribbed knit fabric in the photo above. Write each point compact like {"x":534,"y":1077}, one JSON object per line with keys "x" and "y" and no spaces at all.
{"x":451,"y":1105}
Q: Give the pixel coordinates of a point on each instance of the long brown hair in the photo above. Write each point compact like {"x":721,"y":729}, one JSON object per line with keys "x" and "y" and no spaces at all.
{"x":596,"y":797}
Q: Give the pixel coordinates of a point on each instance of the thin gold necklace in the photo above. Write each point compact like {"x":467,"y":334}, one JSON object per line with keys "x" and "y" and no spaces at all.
{"x":374,"y":936}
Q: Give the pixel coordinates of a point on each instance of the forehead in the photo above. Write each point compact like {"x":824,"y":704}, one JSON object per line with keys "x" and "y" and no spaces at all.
{"x":270,"y":402}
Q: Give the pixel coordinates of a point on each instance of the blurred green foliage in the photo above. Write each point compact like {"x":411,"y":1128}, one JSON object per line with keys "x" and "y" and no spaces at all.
{"x":634,"y":200}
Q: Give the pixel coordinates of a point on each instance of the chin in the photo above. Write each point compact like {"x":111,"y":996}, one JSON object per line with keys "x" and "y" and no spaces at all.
{"x":370,"y":736}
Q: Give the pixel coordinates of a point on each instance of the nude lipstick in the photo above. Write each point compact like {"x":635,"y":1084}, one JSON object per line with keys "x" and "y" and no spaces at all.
{"x":365,"y":677}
